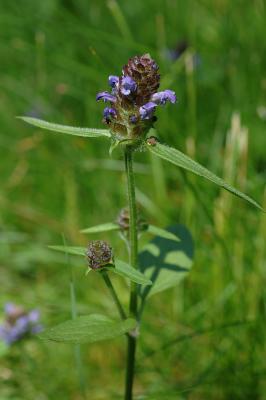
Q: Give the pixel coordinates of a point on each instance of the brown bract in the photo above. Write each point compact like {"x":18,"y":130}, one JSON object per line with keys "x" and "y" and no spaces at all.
{"x":144,"y":71}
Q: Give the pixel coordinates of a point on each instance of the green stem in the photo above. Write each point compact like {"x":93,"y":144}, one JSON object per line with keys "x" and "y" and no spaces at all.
{"x":109,"y":284}
{"x":133,"y":260}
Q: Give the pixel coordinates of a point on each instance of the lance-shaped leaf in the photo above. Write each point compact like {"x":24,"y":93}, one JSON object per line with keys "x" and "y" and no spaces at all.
{"x":181,"y":160}
{"x":163,"y":233}
{"x":88,"y":329}
{"x":126,"y":271}
{"x":70,"y":130}
{"x":110,"y":226}
{"x":120,"y":268}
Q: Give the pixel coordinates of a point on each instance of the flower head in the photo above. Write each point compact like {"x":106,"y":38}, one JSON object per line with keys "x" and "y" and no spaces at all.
{"x":134,"y":98}
{"x":18,"y":323}
{"x":99,"y":254}
{"x":123,"y":221}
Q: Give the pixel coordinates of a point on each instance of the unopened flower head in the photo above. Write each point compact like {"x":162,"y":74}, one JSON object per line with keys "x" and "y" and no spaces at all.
{"x":123,"y":221}
{"x":99,"y":254}
{"x":18,"y":323}
{"x":134,"y":98}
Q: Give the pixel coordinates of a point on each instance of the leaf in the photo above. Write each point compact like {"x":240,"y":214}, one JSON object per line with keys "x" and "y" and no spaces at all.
{"x":181,"y":160}
{"x":88,"y":329}
{"x":110,"y":226}
{"x":166,"y":262}
{"x":162,"y":233}
{"x":126,"y":271}
{"x":75,"y":250}
{"x":70,"y":130}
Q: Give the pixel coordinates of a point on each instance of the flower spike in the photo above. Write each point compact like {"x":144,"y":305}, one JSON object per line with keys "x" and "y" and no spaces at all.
{"x":134,"y":99}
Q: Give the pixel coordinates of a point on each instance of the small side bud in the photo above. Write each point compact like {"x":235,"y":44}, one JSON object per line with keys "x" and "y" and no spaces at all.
{"x":123,"y":221}
{"x":99,"y":254}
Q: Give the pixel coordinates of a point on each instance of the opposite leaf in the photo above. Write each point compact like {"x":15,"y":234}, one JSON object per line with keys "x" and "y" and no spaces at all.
{"x":70,"y":130}
{"x":181,"y":160}
{"x":123,"y":269}
{"x":88,"y":329}
{"x":110,"y":226}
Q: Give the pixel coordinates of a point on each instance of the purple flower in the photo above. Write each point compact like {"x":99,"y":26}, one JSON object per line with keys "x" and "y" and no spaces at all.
{"x":10,"y":309}
{"x":109,"y":113}
{"x":34,"y":316}
{"x":146,"y":111}
{"x":128,"y":85}
{"x":105,"y":96}
{"x":161,"y":98}
{"x":132,"y":99}
{"x":18,"y":323}
{"x":113,"y":80}
{"x":133,"y":119}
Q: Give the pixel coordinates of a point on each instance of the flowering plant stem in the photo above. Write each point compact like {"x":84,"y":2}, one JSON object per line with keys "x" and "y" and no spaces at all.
{"x":109,"y":284}
{"x":133,"y":260}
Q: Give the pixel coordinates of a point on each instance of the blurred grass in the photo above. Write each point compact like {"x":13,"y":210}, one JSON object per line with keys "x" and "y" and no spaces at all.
{"x":55,"y":55}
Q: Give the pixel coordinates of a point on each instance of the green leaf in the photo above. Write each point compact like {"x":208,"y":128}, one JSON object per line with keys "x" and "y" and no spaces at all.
{"x":154,"y":230}
{"x":126,"y":271}
{"x":181,"y":160}
{"x":166,"y":262}
{"x":88,"y":329}
{"x":75,"y":250}
{"x":70,"y":130}
{"x":102,"y":228}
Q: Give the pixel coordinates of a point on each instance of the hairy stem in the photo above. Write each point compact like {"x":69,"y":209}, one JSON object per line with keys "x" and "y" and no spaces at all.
{"x":109,"y":284}
{"x":133,"y":260}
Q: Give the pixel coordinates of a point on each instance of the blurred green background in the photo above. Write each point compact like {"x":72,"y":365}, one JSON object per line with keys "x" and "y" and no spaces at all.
{"x":206,"y":338}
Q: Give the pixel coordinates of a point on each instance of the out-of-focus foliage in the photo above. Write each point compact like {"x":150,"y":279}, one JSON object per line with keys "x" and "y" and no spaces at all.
{"x":206,"y":338}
